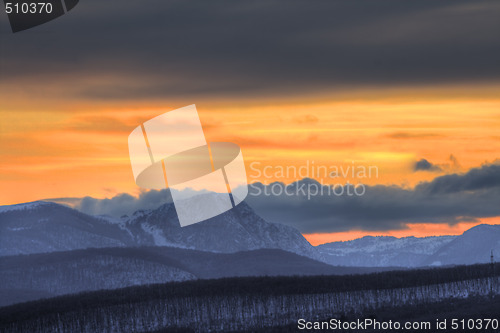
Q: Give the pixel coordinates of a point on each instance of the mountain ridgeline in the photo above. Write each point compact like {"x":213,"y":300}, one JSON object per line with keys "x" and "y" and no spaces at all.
{"x":42,"y":227}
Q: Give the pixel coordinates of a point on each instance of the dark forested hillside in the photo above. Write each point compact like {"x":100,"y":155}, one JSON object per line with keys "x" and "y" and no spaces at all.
{"x":35,"y":276}
{"x":472,"y":308}
{"x":247,"y":303}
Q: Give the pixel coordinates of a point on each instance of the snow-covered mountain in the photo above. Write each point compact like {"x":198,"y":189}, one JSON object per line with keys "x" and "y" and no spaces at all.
{"x":40,"y":227}
{"x":473,"y":246}
{"x":238,"y":229}
{"x":383,"y":251}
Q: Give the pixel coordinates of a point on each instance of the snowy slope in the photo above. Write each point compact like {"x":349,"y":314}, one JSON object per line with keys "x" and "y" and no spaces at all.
{"x":474,"y":246}
{"x":383,"y":251}
{"x":239,"y":229}
{"x":46,"y":227}
{"x":23,"y":206}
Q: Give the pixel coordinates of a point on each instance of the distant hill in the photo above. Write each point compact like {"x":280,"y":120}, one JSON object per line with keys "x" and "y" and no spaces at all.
{"x":383,"y":251}
{"x":39,"y":227}
{"x":473,"y":246}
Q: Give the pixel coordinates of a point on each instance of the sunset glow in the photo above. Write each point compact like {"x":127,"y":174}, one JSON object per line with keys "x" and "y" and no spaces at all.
{"x":416,"y":230}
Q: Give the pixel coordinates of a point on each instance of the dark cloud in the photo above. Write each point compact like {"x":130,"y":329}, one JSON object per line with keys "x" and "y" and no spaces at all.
{"x":124,"y":204}
{"x":424,"y":165}
{"x":474,"y":180}
{"x":446,"y":199}
{"x":208,"y":49}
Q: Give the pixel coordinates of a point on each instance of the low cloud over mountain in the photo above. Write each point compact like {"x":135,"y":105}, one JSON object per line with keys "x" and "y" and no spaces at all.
{"x":446,"y":199}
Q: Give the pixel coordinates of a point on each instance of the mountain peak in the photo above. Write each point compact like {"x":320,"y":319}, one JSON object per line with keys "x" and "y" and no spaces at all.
{"x":27,"y":206}
{"x":485,"y":226}
{"x":238,"y":229}
{"x":482,"y":229}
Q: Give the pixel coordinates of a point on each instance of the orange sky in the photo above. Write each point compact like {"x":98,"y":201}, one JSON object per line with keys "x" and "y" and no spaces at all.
{"x":75,"y":148}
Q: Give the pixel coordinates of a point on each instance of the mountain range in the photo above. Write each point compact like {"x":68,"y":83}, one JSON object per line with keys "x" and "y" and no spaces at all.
{"x":473,"y":246}
{"x":44,"y":227}
{"x":47,"y":249}
{"x":41,"y":227}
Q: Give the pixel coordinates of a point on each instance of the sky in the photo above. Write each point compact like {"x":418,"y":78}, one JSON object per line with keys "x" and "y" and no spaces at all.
{"x":411,"y":88}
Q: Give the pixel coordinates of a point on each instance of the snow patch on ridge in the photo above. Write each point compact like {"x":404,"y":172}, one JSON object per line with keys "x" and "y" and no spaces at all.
{"x":24,"y":206}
